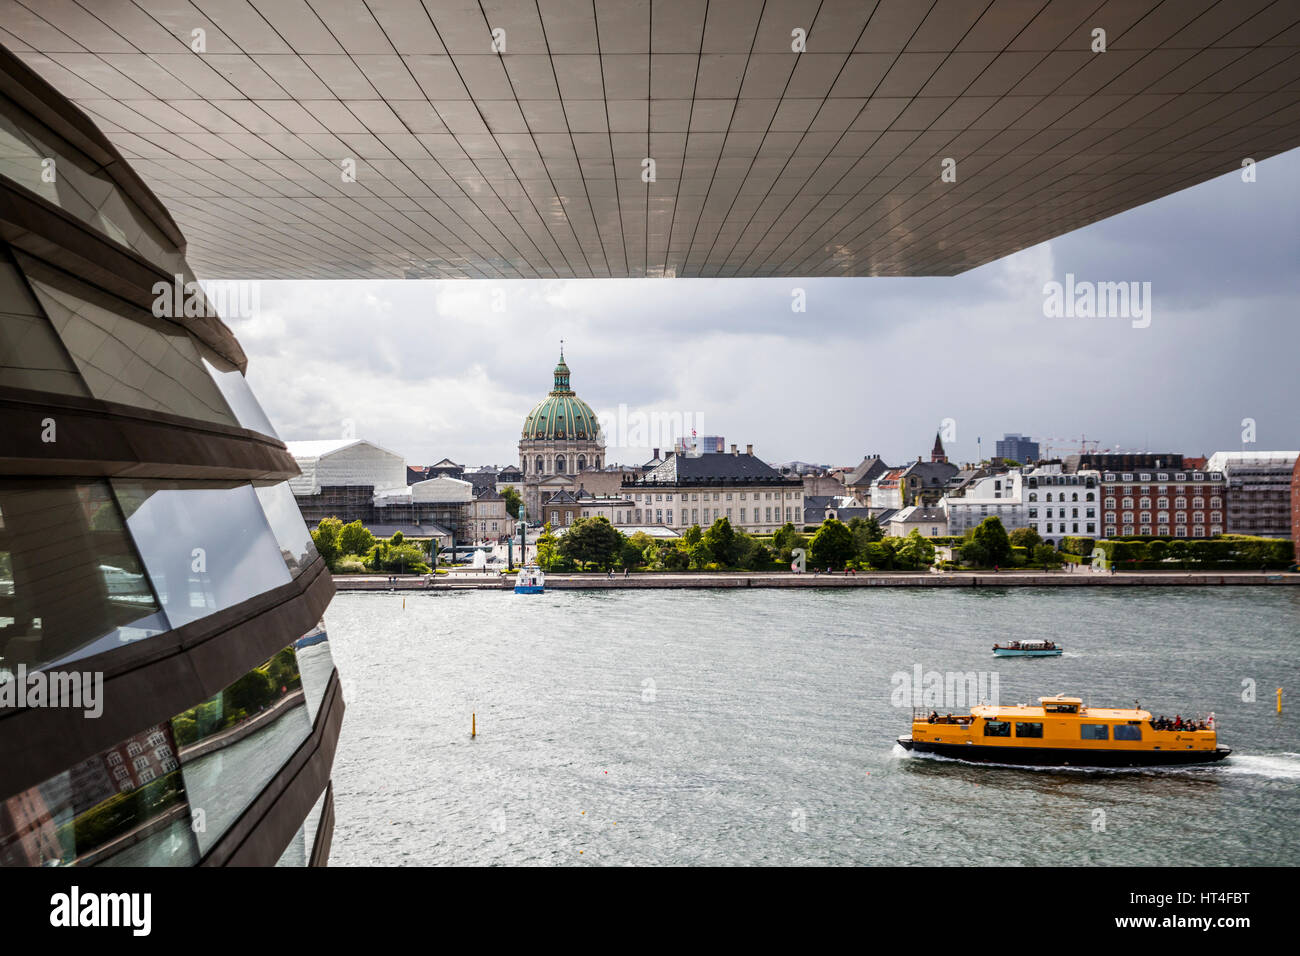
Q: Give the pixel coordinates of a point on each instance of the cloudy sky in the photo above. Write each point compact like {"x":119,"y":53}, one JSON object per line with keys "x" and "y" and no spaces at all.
{"x":429,"y":369}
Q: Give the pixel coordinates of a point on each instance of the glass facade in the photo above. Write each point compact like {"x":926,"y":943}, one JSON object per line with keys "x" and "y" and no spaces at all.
{"x":165,"y":795}
{"x":71,"y":581}
{"x":120,"y":524}
{"x":132,"y":357}
{"x":205,"y":547}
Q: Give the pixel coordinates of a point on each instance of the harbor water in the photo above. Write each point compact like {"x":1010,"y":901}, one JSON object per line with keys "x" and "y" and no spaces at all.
{"x":759,"y":727}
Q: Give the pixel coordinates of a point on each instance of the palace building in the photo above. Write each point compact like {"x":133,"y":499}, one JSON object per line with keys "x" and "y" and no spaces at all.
{"x":561,"y":439}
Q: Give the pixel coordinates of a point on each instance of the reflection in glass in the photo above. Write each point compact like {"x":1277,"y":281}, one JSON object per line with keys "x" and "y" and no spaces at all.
{"x":287,"y":525}
{"x":316,"y":665}
{"x":205,"y":547}
{"x":298,"y":852}
{"x":125,"y":806}
{"x":129,"y":356}
{"x":80,"y":189}
{"x":237,"y":394}
{"x":232,"y":744}
{"x":31,"y":355}
{"x":71,"y":584}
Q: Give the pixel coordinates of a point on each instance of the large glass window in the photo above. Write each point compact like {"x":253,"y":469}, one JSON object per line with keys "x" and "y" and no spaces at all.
{"x":232,"y":744}
{"x":129,"y":356}
{"x":997,"y":728}
{"x":299,"y":850}
{"x":1128,"y":732}
{"x":286,"y":522}
{"x":316,"y":664}
{"x":1029,"y":729}
{"x":206,"y":547}
{"x":71,"y":583}
{"x":42,"y":163}
{"x":1094,"y":732}
{"x":235,"y":390}
{"x":106,"y":810}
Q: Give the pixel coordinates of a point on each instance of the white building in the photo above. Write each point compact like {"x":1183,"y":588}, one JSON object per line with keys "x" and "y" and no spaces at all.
{"x":1053,"y":503}
{"x":345,"y":462}
{"x":997,"y":495}
{"x":1060,"y":505}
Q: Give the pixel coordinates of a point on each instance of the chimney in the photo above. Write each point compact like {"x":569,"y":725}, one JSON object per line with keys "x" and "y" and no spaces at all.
{"x":749,"y":449}
{"x":733,"y":450}
{"x":656,"y":454}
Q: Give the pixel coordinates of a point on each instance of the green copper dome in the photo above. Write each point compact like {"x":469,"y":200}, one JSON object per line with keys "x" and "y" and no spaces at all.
{"x":562,"y":414}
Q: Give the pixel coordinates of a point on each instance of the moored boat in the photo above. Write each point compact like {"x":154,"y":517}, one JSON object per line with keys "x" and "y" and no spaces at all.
{"x":1063,"y":731}
{"x":530,"y":580}
{"x":1027,"y":649}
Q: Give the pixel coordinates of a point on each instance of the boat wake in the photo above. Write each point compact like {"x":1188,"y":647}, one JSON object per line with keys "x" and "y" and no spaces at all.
{"x":1279,"y":766}
{"x":899,"y":751}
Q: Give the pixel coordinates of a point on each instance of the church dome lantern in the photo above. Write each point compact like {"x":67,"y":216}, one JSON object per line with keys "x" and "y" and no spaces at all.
{"x":562,"y":415}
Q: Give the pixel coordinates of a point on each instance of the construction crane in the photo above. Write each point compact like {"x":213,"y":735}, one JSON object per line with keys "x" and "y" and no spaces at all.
{"x":1080,"y":444}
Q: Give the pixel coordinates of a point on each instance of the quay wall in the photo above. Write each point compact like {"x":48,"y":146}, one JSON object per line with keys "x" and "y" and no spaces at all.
{"x":1008,"y":579}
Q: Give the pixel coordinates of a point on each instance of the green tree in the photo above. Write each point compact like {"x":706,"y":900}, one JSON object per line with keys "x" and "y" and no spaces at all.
{"x":630,"y":556}
{"x":548,"y":554}
{"x":326,"y":538}
{"x":355,"y":539}
{"x":250,"y":693}
{"x":692,"y":535}
{"x":992,"y":537}
{"x":592,"y":541}
{"x":756,"y":556}
{"x":720,"y":539}
{"x":974,"y":553}
{"x":1046,"y":555}
{"x":915,"y":551}
{"x":1026,"y":537}
{"x":513,"y":501}
{"x":832,"y":545}
{"x":880,"y":554}
{"x":865,"y":531}
{"x":671,"y":557}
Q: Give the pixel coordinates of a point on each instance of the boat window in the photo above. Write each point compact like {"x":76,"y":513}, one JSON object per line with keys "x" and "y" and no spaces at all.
{"x":1061,"y":708}
{"x":1093,"y":732}
{"x":1027,"y":729}
{"x":997,"y":728}
{"x":1128,"y":732}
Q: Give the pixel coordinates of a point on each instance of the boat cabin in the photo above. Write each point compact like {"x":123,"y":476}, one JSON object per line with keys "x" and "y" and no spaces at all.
{"x":1061,"y":705}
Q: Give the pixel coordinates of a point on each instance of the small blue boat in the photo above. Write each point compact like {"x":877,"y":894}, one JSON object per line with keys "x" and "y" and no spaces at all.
{"x":1028,"y":649}
{"x":530,"y":580}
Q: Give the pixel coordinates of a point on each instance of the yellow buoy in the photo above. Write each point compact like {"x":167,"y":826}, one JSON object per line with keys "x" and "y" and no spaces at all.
{"x":473,"y":725}
{"x":1279,"y":700}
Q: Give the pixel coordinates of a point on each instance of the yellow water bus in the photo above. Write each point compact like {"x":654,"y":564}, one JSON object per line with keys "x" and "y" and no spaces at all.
{"x":1063,"y":731}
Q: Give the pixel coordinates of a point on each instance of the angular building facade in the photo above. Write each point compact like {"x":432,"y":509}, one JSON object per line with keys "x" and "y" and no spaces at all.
{"x":167,"y":695}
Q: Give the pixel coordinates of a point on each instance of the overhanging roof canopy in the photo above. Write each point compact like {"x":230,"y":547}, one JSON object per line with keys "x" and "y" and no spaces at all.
{"x":529,"y":162}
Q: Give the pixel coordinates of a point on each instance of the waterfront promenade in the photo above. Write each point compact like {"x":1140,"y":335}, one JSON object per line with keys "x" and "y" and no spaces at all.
{"x":458,"y":581}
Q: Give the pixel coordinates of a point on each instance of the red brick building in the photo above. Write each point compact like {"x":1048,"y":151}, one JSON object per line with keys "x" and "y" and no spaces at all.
{"x":1176,"y":503}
